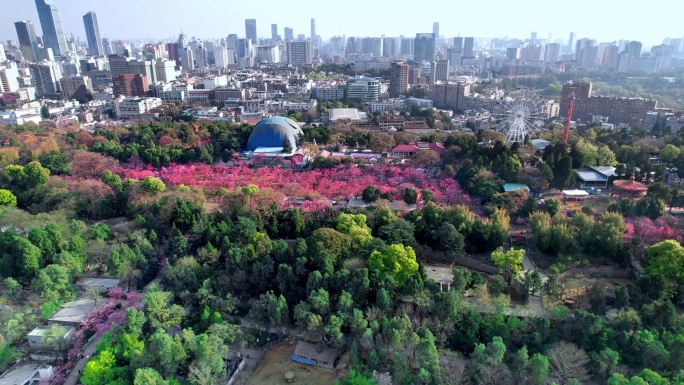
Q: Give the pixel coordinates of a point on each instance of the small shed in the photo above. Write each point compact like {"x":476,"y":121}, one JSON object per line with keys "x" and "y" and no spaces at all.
{"x":104,"y":284}
{"x":508,"y":187}
{"x":309,"y":354}
{"x":35,"y":337}
{"x":574,"y":195}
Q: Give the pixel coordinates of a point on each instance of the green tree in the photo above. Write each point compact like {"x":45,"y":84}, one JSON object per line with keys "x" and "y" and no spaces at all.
{"x":666,"y":258}
{"x":398,"y":231}
{"x":148,"y":376}
{"x":334,"y":243}
{"x":370,"y":194}
{"x":551,"y":206}
{"x":354,"y":225}
{"x":450,"y":240}
{"x":410,"y":196}
{"x":539,"y":369}
{"x":153,"y":185}
{"x":356,"y":378}
{"x":100,"y":370}
{"x":160,"y":312}
{"x":509,"y":262}
{"x":398,"y":261}
{"x":7,"y":198}
{"x":287,"y":145}
{"x":669,"y":153}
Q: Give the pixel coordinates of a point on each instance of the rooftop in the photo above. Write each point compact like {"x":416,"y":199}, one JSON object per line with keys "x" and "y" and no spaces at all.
{"x":102,"y":283}
{"x":75,"y":312}
{"x":22,"y":373}
{"x":515,"y":186}
{"x":310,"y":351}
{"x":344,"y":113}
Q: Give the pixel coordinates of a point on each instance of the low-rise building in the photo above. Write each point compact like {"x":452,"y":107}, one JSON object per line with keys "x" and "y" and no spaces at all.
{"x":410,"y":149}
{"x":36,"y":338}
{"x":327,"y":93}
{"x":27,"y":373}
{"x":134,"y":108}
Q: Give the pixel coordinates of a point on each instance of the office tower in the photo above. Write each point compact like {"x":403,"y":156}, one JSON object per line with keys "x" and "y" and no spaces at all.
{"x":45,"y":77}
{"x":533,"y":37}
{"x":268,"y":54}
{"x":172,"y":52}
{"x":3,"y":57}
{"x":663,"y":56}
{"x":51,"y":24}
{"x":571,"y":41}
{"x":435,"y":29}
{"x":250,"y":29}
{"x":93,"y":34}
{"x":634,"y":49}
{"x":586,"y":53}
{"x":468,"y":43}
{"x":552,"y":53}
{"x":424,"y":49}
{"x":609,"y":56}
{"x":9,"y":75}
{"x":76,"y":87}
{"x":289,"y":34}
{"x":513,"y":53}
{"x":399,"y":78}
{"x":374,"y":46}
{"x":274,"y":32}
{"x":389,"y":47}
{"x":407,"y":46}
{"x":299,"y":53}
{"x":458,"y":43}
{"x":314,"y":37}
{"x":28,"y":42}
{"x":439,"y":71}
{"x":363,"y":88}
{"x":454,"y":57}
{"x":450,"y":95}
{"x":221,"y":57}
{"x":107,"y":47}
{"x":131,"y":85}
{"x":188,"y":59}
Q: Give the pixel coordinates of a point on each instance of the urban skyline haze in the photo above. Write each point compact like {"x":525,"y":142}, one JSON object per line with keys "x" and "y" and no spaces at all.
{"x":131,"y":19}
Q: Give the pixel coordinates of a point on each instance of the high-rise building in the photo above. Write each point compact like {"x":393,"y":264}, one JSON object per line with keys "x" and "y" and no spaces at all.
{"x":131,"y":85}
{"x":51,"y":24}
{"x":221,"y":57}
{"x":454,"y":57}
{"x":299,"y":53}
{"x":314,"y":37}
{"x":450,"y":95}
{"x":289,"y":34}
{"x":76,"y":87}
{"x":552,"y":52}
{"x":28,"y":42}
{"x":363,"y":88}
{"x":407,"y":46}
{"x":609,"y":56}
{"x":619,"y":110}
{"x":439,"y":71}
{"x":424,"y":47}
{"x":399,"y":78}
{"x":107,"y":47}
{"x":586,"y":53}
{"x":3,"y":57}
{"x":374,"y":46}
{"x":458,"y":43}
{"x":251,"y":29}
{"x":165,"y":69}
{"x":92,"y":30}
{"x":468,"y":44}
{"x":274,"y":32}
{"x":435,"y":29}
{"x":268,"y":54}
{"x":9,"y":77}
{"x":45,"y":77}
{"x":571,"y":42}
{"x":389,"y":47}
{"x":634,"y":49}
{"x":533,"y":37}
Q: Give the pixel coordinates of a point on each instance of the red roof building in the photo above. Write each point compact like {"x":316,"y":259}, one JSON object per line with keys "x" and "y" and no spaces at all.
{"x":408,"y":150}
{"x":629,"y":188}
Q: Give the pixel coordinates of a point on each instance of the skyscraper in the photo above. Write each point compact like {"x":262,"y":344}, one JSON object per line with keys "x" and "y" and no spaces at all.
{"x":439,"y":71}
{"x":250,"y":29}
{"x":274,"y":32}
{"x":3,"y":57}
{"x":399,"y":78}
{"x":289,"y":34}
{"x":571,"y":41}
{"x":28,"y":42}
{"x":93,"y":34}
{"x":45,"y":78}
{"x":468,"y":43}
{"x":314,"y":37}
{"x":435,"y":29}
{"x":51,"y":24}
{"x":634,"y":49}
{"x":458,"y":43}
{"x":424,"y":47}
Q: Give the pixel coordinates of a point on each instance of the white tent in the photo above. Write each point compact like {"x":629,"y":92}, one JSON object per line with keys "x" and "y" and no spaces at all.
{"x":575,"y":193}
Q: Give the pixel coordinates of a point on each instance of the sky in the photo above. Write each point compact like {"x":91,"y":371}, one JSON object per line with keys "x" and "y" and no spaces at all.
{"x":603,"y":20}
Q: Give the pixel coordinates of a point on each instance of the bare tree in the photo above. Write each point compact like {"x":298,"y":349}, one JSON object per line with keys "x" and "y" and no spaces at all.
{"x":568,"y":361}
{"x":94,"y":293}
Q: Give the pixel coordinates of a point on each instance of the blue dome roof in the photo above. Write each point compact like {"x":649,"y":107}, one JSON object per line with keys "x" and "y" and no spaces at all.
{"x":271,"y":132}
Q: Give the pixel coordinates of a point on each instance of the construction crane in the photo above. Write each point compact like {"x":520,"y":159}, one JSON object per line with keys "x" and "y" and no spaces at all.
{"x":568,"y":115}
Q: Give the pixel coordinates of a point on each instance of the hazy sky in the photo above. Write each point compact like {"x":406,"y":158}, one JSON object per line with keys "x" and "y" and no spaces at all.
{"x":604,"y":20}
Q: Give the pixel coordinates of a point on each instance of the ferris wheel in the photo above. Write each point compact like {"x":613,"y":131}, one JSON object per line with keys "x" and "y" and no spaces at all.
{"x":520,"y":115}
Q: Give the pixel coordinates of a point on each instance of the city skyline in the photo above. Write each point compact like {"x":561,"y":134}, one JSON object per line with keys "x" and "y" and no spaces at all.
{"x":216,"y":24}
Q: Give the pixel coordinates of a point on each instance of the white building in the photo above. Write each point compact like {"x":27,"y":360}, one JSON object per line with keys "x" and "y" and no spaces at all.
{"x":269,"y":54}
{"x":166,"y":70}
{"x":17,"y":117}
{"x":131,"y":108}
{"x":363,"y":88}
{"x":213,"y":82}
{"x":9,"y":77}
{"x":299,"y":53}
{"x":420,"y":103}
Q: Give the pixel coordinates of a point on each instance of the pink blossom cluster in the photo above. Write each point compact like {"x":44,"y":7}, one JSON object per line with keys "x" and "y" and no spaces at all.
{"x":337,"y":183}
{"x":653,"y":231}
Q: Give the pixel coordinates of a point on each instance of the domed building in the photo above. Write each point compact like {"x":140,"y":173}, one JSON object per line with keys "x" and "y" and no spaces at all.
{"x":269,"y":135}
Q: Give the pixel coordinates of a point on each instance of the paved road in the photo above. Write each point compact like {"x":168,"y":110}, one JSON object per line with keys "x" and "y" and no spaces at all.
{"x":75,"y":374}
